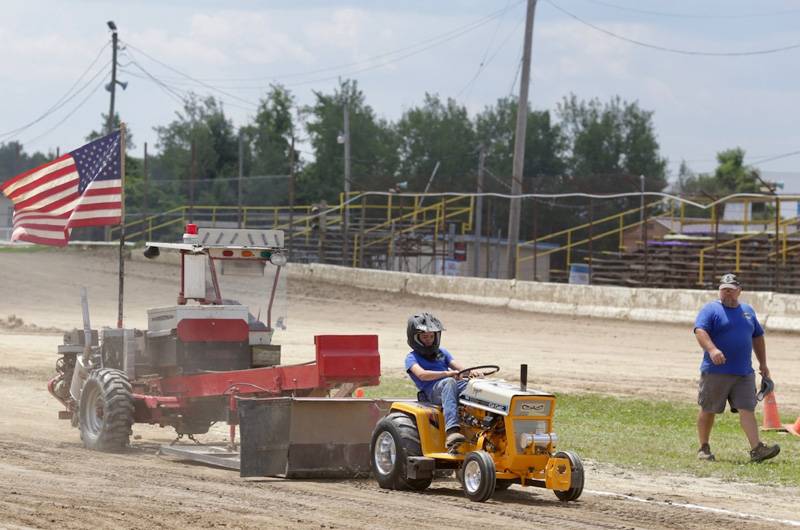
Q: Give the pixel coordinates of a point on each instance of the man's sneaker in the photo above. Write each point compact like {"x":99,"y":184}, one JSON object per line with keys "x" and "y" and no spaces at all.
{"x":704,"y":453}
{"x":454,"y":439}
{"x":763,"y":452}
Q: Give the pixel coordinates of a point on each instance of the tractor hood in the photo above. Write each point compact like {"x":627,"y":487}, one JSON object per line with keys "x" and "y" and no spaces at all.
{"x":494,"y":395}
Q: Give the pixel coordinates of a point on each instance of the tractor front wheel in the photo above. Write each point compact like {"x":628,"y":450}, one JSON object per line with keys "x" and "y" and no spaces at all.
{"x":395,"y":439}
{"x":478,"y":476}
{"x":106,"y":411}
{"x":576,"y":472}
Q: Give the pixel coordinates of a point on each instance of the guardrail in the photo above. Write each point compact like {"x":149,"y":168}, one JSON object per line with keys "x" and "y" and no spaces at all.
{"x":737,"y":243}
{"x":569,"y":233}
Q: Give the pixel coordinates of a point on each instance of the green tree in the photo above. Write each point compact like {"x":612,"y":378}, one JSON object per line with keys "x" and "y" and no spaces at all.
{"x":543,"y":169}
{"x":268,"y":149}
{"x":609,"y":146}
{"x":373,"y":146}
{"x":730,"y":176}
{"x":438,"y":132}
{"x":216,"y":150}
{"x":14,"y":160}
{"x":94,"y":135}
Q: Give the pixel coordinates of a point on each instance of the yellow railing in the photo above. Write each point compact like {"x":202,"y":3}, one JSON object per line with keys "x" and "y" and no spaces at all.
{"x":569,"y":233}
{"x":146,"y":225}
{"x":441,"y":211}
{"x":737,"y":244}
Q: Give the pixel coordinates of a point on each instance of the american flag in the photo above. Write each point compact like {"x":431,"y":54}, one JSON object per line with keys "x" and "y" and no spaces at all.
{"x":80,"y":188}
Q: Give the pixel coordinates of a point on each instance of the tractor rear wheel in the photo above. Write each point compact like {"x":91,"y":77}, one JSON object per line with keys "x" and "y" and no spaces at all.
{"x":479,"y":477}
{"x":106,"y":411}
{"x":395,"y":439}
{"x":576,"y":473}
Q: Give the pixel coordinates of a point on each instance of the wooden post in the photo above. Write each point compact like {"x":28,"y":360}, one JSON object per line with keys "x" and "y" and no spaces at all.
{"x":121,"y":224}
{"x":361,"y":223}
{"x":591,"y":236}
{"x":145,"y":205}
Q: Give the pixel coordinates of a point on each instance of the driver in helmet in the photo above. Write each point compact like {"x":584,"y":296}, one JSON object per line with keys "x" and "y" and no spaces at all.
{"x":434,"y":371}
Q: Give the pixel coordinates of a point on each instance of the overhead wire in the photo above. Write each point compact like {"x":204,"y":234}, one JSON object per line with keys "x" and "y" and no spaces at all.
{"x":181,"y":95}
{"x":694,"y":15}
{"x":775,"y":157}
{"x":370,"y":64}
{"x":437,"y":39}
{"x":483,"y":62}
{"x":187,"y":76}
{"x":66,"y":98}
{"x":667,"y":49}
{"x":78,"y":106}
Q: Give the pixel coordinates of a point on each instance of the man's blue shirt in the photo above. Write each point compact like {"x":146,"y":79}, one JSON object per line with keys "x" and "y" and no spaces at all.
{"x":440,"y":364}
{"x":732,"y":330}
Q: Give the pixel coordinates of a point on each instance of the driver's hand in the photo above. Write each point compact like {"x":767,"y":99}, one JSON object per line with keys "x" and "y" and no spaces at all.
{"x":451,"y":373}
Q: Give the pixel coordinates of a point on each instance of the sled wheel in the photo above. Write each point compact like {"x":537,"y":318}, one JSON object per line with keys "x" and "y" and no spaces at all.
{"x":478,"y":476}
{"x":106,"y":411}
{"x":576,"y":472}
{"x":395,"y":439}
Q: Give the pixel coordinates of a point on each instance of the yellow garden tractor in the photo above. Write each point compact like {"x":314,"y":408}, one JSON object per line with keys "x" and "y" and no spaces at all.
{"x":509,"y":440}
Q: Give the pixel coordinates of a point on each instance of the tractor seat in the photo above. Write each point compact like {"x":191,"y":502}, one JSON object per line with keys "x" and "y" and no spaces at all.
{"x":423,"y":400}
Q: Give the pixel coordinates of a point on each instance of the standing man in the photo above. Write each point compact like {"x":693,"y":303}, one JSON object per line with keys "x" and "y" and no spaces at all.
{"x":729,"y":332}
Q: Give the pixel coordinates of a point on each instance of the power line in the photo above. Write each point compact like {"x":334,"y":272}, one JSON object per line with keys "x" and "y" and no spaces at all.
{"x":672,"y":50}
{"x":692,"y":15}
{"x":187,"y":76}
{"x":181,"y":95}
{"x":68,"y":116}
{"x":416,"y":49}
{"x":776,"y":157}
{"x":63,"y":100}
{"x":163,"y":86}
{"x":438,"y":39}
{"x":483,"y":63}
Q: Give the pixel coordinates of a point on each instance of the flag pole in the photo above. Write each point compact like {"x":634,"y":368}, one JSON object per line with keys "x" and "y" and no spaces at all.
{"x":121,"y":223}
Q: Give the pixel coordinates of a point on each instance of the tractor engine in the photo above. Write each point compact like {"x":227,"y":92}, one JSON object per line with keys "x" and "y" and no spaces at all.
{"x":191,"y":339}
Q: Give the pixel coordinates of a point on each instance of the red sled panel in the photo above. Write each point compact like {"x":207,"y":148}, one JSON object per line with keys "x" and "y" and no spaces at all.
{"x":348,"y":356}
{"x":212,"y":330}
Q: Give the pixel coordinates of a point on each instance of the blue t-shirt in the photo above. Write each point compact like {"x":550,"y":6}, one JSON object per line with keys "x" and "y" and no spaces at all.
{"x":441,"y":364}
{"x":732,"y":330}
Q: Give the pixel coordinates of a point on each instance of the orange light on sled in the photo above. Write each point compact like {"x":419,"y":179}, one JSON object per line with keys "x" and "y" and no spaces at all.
{"x":247,"y":254}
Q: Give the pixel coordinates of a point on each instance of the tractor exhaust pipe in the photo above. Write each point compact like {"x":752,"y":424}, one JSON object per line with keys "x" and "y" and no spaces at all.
{"x":523,"y":377}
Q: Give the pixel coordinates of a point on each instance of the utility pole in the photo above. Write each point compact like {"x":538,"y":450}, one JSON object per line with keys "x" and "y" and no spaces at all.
{"x":113,"y":85}
{"x":519,"y":145}
{"x":145,"y":206}
{"x":346,"y":250}
{"x":192,"y":176}
{"x":239,"y":180}
{"x":476,"y":260}
{"x":641,"y":205}
{"x":291,"y":198}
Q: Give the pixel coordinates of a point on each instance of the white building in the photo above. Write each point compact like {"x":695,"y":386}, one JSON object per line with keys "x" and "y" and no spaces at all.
{"x":6,"y":211}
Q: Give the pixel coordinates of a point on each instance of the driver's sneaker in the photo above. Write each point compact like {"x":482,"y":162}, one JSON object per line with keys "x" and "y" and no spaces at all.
{"x":704,"y":453}
{"x":763,"y":452}
{"x":454,"y":439}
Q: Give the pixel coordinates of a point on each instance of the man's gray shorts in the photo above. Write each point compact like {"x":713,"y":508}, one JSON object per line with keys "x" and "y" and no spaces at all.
{"x":716,"y":389}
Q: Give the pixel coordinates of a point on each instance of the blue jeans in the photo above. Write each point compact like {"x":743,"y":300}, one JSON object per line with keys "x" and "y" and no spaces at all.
{"x":445,"y":392}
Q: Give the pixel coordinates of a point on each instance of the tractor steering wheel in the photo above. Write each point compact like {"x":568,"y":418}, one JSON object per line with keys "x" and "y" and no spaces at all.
{"x":492,"y":367}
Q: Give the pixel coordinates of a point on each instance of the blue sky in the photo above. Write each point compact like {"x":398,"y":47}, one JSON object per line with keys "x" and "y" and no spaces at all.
{"x":702,"y":104}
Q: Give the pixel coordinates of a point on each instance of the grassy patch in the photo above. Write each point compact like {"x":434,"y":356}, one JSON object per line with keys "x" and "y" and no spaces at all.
{"x":24,"y":249}
{"x":652,"y":436}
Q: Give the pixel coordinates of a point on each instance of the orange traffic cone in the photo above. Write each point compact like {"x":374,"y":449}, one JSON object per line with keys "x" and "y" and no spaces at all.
{"x":772,"y":420}
{"x":794,"y":428}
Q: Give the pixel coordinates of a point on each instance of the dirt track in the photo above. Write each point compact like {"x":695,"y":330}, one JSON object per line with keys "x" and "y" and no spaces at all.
{"x":48,"y":480}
